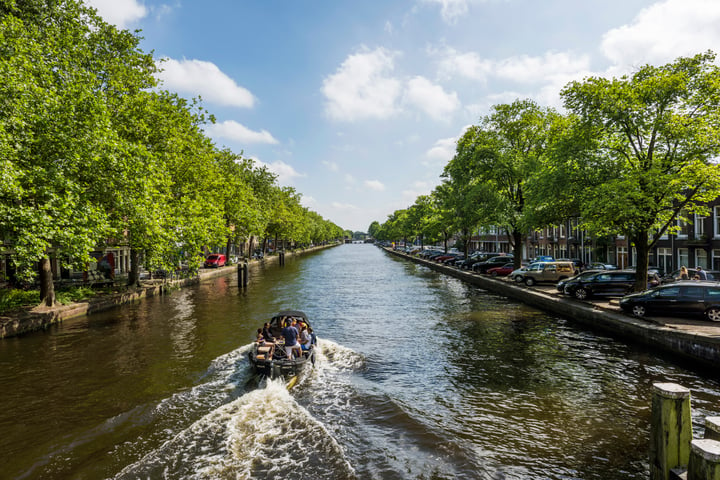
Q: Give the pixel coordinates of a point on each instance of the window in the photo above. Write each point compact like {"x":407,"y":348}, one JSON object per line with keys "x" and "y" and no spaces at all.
{"x":669,"y":292}
{"x":622,"y":257}
{"x":701,"y":258}
{"x":684,"y":226}
{"x":699,"y":226}
{"x":664,"y":259}
{"x":713,"y":293}
{"x":682,"y":256}
{"x":716,"y":220}
{"x":716,"y":259}
{"x":692,"y":292}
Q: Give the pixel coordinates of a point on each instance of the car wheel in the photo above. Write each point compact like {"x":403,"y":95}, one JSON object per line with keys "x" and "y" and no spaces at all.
{"x":493,"y":273}
{"x":581,"y":294}
{"x":638,"y":311}
{"x":518,"y":279}
{"x":713,"y":314}
{"x":529,"y":281}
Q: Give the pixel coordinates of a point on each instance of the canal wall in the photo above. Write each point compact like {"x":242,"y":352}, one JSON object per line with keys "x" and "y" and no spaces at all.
{"x":697,"y":345}
{"x":32,"y":319}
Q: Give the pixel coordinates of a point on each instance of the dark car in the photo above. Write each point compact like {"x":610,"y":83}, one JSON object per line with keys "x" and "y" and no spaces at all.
{"x":475,"y":258}
{"x":713,"y":275}
{"x":587,"y":273}
{"x":606,"y":283}
{"x":681,"y":298}
{"x":483,"y":267}
{"x":600,"y":266}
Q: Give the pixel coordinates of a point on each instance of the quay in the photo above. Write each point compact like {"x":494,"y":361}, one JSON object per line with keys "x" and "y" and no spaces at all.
{"x":32,"y":319}
{"x":692,"y":339}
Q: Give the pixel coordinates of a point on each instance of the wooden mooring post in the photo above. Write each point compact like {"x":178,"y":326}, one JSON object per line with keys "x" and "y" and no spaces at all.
{"x":242,"y":275}
{"x":281,"y":259}
{"x":673,"y":452}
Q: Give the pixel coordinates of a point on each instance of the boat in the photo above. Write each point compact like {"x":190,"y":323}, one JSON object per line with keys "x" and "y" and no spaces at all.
{"x":270,"y":360}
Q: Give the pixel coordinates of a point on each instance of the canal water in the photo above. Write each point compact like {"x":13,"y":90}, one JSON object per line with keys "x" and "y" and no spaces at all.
{"x":419,"y":376}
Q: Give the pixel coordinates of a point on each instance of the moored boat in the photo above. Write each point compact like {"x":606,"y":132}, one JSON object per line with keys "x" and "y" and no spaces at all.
{"x":270,"y":358}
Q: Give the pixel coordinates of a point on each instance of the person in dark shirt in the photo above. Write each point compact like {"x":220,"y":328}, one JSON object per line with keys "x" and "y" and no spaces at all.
{"x":290,"y":334}
{"x":267,"y":333}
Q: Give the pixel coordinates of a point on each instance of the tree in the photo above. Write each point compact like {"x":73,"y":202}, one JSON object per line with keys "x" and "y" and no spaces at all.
{"x":656,"y":134}
{"x":63,"y":69}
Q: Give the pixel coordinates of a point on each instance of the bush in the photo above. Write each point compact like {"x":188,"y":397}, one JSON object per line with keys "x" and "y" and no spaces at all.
{"x":12,"y":299}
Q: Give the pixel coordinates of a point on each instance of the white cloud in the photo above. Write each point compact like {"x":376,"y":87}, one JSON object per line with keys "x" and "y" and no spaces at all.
{"x":663,"y":32}
{"x":285,"y":173}
{"x":451,"y":10}
{"x":444,"y":149}
{"x":332,"y":166}
{"x":119,"y":12}
{"x":431,"y":98}
{"x":232,"y":130}
{"x":362,"y":87}
{"x":344,"y":207}
{"x":197,"y":77}
{"x":374,"y":185}
{"x":524,"y":69}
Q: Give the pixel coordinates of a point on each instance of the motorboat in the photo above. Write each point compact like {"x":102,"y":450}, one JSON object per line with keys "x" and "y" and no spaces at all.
{"x":269,"y":359}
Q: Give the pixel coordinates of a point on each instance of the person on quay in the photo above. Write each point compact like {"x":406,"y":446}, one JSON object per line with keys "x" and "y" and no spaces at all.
{"x":684,"y":275}
{"x":701,"y":273}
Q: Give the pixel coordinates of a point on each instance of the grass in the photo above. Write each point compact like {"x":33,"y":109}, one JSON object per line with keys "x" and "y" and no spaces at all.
{"x":13,"y":299}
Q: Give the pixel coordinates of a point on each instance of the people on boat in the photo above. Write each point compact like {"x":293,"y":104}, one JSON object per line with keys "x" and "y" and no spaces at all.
{"x":291,"y":335}
{"x":259,"y":338}
{"x":267,"y":333}
{"x":313,"y":337}
{"x":305,"y":339}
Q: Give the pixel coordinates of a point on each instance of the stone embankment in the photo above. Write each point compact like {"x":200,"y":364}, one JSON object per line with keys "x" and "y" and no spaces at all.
{"x":694,"y":339}
{"x":40,"y":317}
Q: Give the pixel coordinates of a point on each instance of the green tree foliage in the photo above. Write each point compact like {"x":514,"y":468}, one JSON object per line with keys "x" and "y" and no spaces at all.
{"x":655,"y":136}
{"x":92,"y":154}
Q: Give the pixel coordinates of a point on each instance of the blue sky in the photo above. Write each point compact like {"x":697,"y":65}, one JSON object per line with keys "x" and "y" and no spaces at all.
{"x":358,"y":104}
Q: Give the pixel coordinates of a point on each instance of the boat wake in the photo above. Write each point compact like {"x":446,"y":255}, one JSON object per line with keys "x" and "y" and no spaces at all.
{"x":264,"y":433}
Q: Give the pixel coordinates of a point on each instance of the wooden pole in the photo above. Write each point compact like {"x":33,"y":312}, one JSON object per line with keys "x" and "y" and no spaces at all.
{"x":241,"y":276}
{"x":704,"y":463}
{"x":670,"y":429}
{"x":245,"y":275}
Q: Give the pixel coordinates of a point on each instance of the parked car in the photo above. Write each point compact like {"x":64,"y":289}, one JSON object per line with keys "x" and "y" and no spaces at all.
{"x":502,"y":271}
{"x":601,"y":266}
{"x":544,"y":272}
{"x":483,"y":267}
{"x":215,"y":260}
{"x":517,"y":275}
{"x":713,"y":275}
{"x":542,"y":258}
{"x":682,"y":298}
{"x":586,"y":273}
{"x":579,"y":264}
{"x":607,"y":283}
{"x":475,"y":258}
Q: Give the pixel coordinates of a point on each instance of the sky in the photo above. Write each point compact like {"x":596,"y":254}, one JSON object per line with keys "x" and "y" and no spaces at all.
{"x":358,"y":105}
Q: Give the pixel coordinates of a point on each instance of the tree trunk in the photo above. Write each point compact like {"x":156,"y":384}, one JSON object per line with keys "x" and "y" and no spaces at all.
{"x":134,"y":275}
{"x":47,"y":288}
{"x":227,"y":248}
{"x":642,"y":247}
{"x":517,"y":244}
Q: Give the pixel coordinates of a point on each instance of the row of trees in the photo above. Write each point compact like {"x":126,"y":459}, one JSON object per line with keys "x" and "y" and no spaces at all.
{"x":92,"y":151}
{"x":631,"y":156}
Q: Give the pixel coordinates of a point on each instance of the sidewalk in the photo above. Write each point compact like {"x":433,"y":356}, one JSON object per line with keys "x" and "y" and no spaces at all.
{"x":694,"y":339}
